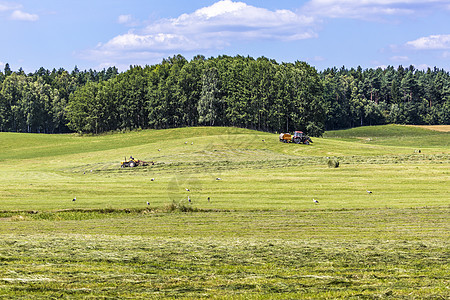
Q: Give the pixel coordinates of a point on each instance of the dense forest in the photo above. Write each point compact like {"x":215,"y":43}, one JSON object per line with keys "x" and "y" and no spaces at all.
{"x":224,"y":91}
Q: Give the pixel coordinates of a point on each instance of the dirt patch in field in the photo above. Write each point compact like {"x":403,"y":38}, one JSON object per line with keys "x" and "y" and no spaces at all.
{"x":442,"y":128}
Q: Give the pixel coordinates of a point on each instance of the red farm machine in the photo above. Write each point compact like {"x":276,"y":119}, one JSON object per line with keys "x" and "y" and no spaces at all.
{"x":298,"y":138}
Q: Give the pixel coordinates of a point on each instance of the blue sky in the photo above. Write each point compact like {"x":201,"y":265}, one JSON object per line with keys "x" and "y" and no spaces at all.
{"x":325,"y":33}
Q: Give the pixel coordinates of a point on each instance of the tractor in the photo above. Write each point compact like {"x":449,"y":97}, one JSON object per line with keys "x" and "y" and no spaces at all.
{"x":132,"y":162}
{"x":299,"y":138}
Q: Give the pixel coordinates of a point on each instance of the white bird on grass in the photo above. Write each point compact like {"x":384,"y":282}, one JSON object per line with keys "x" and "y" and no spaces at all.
{"x":315,"y":201}
{"x":368,"y":192}
{"x":148,"y":203}
{"x":152,"y":179}
{"x":218,"y":178}
{"x":187,"y":190}
{"x":189,"y":199}
{"x":74,"y":199}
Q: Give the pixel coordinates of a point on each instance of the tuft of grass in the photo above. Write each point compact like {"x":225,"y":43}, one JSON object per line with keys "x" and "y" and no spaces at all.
{"x":179,"y":207}
{"x":333,"y":163}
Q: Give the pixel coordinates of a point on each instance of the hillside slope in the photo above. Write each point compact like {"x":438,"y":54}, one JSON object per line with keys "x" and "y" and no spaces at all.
{"x":256,"y":170}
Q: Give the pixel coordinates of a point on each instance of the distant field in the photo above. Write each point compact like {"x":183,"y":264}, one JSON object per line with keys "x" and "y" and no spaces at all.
{"x":394,"y":135}
{"x":260,"y":235}
{"x":442,"y":128}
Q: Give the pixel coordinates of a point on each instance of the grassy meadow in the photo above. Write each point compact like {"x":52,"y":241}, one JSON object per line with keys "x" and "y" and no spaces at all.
{"x":259,"y":236}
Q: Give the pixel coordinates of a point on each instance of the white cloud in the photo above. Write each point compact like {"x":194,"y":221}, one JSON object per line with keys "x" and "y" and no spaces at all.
{"x":128,"y":20}
{"x":212,"y":27}
{"x":16,"y":12}
{"x":220,"y":8}
{"x":123,"y":19}
{"x":228,"y":13}
{"x":432,"y":42}
{"x":399,"y":58}
{"x":234,"y":20}
{"x":7,"y":6}
{"x":370,"y":8}
{"x":19,"y":15}
{"x":160,"y":41}
{"x":422,"y":66}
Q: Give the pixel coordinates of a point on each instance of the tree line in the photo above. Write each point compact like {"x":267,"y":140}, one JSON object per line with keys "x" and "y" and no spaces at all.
{"x":236,"y":91}
{"x":39,"y":102}
{"x":359,"y":97}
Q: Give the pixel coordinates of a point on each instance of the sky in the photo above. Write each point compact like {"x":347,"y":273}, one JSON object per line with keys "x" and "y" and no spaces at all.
{"x":97,"y":34}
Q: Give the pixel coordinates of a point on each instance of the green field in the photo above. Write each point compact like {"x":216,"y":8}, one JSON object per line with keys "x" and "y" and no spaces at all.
{"x":260,"y":235}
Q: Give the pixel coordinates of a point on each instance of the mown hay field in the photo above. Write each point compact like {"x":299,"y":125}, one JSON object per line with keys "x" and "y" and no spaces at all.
{"x":259,"y":235}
